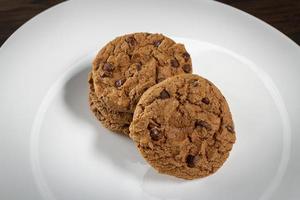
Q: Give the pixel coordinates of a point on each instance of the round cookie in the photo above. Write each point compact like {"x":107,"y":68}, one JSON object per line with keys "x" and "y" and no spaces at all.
{"x":183,"y":127}
{"x":128,"y":65}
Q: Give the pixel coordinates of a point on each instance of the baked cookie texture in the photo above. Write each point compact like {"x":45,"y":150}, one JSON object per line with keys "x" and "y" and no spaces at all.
{"x":183,"y":127}
{"x":125,"y":68}
{"x":115,"y":121}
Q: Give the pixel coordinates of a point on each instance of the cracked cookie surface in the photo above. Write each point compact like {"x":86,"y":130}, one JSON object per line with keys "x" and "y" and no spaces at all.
{"x":183,"y":127}
{"x":127,"y":66}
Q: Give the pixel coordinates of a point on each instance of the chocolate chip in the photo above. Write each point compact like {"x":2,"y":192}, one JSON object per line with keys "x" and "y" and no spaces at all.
{"x":205,"y":100}
{"x":174,"y":63}
{"x":190,"y":139}
{"x":91,"y":81}
{"x":156,"y":43}
{"x":107,"y":67}
{"x":155,"y":134}
{"x":230,"y":128}
{"x":187,"y":68}
{"x":164,"y":94}
{"x":138,"y":66}
{"x":126,"y":125}
{"x":203,"y":124}
{"x":119,"y":83}
{"x":186,"y":56}
{"x":92,"y":88}
{"x":131,"y":40}
{"x":190,"y":160}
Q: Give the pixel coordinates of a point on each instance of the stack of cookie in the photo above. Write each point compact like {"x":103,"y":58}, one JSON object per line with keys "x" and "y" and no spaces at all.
{"x":141,"y":86}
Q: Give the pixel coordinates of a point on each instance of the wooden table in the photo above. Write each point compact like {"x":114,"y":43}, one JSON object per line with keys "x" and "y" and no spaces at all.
{"x":282,"y":14}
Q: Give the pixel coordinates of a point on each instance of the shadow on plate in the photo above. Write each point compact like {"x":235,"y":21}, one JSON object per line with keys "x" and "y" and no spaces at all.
{"x":153,"y":176}
{"x":119,"y":149}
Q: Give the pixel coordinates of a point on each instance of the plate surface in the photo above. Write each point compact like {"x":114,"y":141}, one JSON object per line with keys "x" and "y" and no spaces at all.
{"x":53,"y":148}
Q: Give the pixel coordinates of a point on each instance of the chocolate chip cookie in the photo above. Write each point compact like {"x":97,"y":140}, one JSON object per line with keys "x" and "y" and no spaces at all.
{"x":183,"y":127}
{"x":127,"y":66}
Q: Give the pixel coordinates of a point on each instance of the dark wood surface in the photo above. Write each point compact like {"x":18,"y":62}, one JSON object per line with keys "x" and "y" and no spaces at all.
{"x":282,"y":14}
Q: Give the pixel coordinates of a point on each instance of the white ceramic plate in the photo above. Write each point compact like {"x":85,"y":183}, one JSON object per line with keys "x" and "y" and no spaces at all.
{"x":53,"y":148}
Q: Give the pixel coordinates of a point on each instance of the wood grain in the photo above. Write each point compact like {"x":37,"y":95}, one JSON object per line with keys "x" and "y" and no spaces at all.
{"x":14,"y":13}
{"x":282,"y":14}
